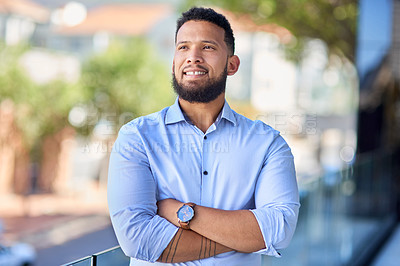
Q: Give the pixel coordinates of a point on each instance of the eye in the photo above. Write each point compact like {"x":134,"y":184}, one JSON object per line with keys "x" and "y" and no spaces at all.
{"x":182,"y":47}
{"x":208,"y":47}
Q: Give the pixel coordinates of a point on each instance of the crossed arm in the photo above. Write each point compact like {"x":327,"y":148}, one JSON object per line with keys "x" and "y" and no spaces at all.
{"x":212,"y":231}
{"x":142,"y":234}
{"x":187,"y":245}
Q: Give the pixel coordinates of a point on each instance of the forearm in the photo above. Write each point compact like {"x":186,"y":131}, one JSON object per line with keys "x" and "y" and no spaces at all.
{"x":235,"y":229}
{"x":187,"y":245}
{"x":238,"y":230}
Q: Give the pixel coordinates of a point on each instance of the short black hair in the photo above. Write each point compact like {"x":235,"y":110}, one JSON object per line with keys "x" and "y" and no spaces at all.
{"x":208,"y":14}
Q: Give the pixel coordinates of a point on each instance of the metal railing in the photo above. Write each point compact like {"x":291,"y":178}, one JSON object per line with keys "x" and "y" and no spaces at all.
{"x":113,"y":256}
{"x":345,"y":216}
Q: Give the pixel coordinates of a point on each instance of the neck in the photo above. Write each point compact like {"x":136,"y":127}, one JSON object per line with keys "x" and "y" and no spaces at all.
{"x":203,"y":115}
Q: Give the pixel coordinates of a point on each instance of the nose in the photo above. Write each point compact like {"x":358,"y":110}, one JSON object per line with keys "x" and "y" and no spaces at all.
{"x":194,"y":57}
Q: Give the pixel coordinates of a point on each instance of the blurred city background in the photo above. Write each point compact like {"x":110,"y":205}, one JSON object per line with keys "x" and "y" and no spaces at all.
{"x":325,"y":73}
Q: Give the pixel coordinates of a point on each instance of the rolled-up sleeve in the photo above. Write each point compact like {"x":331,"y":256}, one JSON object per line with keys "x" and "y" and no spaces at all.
{"x":277,"y":198}
{"x":141,"y":233}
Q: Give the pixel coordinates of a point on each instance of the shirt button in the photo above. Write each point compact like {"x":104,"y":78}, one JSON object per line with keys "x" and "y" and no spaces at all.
{"x":205,"y":137}
{"x":205,"y":173}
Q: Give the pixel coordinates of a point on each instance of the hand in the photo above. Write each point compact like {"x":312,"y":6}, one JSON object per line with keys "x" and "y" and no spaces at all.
{"x":167,"y":209}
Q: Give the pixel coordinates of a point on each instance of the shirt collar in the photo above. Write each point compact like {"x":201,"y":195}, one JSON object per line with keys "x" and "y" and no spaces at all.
{"x":228,"y":114}
{"x":175,"y":114}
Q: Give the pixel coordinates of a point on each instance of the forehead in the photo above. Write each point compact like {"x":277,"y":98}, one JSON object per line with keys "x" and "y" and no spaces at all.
{"x":194,"y":30}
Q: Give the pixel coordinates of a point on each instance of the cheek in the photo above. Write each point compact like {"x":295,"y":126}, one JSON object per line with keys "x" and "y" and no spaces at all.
{"x":176,"y":64}
{"x":174,"y":67}
{"x":175,"y":71}
{"x":218,"y":62}
{"x":178,"y":58}
{"x":220,"y":67}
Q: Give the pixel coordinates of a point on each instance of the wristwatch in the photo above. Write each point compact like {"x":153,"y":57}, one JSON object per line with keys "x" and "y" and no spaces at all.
{"x":185,"y":214}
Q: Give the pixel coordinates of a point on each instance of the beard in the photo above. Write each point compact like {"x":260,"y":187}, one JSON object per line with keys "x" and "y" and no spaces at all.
{"x":202,"y":93}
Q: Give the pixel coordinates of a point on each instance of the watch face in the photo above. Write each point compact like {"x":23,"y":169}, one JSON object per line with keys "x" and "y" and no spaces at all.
{"x":185,"y":213}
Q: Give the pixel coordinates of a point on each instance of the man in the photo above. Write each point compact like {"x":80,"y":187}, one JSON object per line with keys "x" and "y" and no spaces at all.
{"x":198,"y":183}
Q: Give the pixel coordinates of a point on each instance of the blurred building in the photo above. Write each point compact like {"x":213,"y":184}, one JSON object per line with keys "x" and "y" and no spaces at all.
{"x":19,"y":20}
{"x":94,"y":31}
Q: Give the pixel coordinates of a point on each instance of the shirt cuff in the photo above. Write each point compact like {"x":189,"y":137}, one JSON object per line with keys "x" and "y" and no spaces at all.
{"x":161,"y":241}
{"x":269,"y":250}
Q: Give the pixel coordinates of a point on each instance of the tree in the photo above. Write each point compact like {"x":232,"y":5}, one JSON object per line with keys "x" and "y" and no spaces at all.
{"x":126,"y":81}
{"x":332,"y":21}
{"x":38,"y":112}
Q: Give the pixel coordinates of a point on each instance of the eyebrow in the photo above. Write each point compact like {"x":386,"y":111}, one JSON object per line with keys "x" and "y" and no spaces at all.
{"x":203,"y":41}
{"x":212,"y":42}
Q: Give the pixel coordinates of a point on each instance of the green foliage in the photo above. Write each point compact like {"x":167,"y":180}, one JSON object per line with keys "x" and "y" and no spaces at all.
{"x":129,"y":78}
{"x":333,"y":21}
{"x":40,"y":110}
{"x":12,"y":79}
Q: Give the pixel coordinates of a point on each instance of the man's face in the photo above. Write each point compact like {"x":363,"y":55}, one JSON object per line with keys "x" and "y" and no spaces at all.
{"x":200,"y":61}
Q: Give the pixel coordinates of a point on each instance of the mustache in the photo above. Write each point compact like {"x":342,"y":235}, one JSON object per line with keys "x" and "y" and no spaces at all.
{"x":195,"y":66}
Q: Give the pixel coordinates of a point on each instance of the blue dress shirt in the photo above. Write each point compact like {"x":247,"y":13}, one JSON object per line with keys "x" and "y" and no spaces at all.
{"x":237,"y":164}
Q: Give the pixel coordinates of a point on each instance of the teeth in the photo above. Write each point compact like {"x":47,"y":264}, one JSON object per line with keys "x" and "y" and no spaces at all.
{"x":195,"y":73}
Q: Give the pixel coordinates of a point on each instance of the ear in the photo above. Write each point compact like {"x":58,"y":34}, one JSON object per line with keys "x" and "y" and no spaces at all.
{"x":233,"y":65}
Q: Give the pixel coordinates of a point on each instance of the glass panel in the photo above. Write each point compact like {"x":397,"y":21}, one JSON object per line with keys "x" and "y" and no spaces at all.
{"x":374,"y":34}
{"x":113,"y":256}
{"x":342,"y":214}
{"x":87,"y":261}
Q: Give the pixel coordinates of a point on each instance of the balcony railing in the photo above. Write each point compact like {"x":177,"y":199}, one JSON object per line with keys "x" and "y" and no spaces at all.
{"x":113,"y":256}
{"x":344,"y":218}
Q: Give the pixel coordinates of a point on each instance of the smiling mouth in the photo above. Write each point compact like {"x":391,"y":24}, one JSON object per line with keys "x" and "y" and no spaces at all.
{"x":195,"y":73}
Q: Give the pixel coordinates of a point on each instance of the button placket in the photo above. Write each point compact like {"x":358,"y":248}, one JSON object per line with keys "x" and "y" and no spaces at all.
{"x":204,"y":168}
{"x":205,"y":172}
